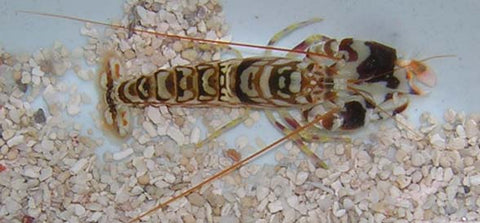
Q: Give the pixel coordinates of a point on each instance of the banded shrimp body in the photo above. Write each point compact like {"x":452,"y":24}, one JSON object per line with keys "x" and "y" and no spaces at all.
{"x":283,"y":171}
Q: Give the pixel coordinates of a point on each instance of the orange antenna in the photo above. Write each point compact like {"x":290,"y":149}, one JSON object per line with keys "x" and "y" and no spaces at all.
{"x":437,"y":57}
{"x":235,"y":166}
{"x":194,"y":39}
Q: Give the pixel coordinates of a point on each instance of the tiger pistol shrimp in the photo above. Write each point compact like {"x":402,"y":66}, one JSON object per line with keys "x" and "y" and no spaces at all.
{"x":338,"y":86}
{"x":361,"y":80}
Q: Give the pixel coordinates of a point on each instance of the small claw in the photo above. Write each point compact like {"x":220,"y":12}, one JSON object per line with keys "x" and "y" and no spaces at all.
{"x":420,"y":71}
{"x":423,"y":73}
{"x":417,"y":71}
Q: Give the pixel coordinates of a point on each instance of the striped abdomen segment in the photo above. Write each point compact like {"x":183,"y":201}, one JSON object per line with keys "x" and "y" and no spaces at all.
{"x":258,"y":82}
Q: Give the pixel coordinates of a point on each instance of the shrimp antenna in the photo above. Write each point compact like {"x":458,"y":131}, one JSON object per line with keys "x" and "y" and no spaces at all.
{"x":236,"y":165}
{"x":173,"y":36}
{"x":437,"y":57}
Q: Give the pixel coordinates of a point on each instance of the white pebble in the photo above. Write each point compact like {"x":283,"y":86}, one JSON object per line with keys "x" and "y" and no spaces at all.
{"x":84,"y":74}
{"x":394,"y":192}
{"x":471,"y":128}
{"x":78,"y":165}
{"x":289,"y":215}
{"x":252,"y":119}
{"x":418,"y":159}
{"x":15,"y":115}
{"x":176,"y":135}
{"x":211,"y":35}
{"x":95,"y":217}
{"x":178,"y":60}
{"x":120,"y":197}
{"x":31,"y":171}
{"x":447,"y":174}
{"x":73,"y":106}
{"x":244,"y":172}
{"x":169,"y":178}
{"x":162,"y":130}
{"x":437,"y":140}
{"x":150,"y":128}
{"x":148,"y":152}
{"x":475,"y":180}
{"x":451,"y":191}
{"x":148,"y":68}
{"x":292,"y":201}
{"x":262,"y":192}
{"x":339,"y":150}
{"x":7,"y":134}
{"x":417,"y":176}
{"x":140,"y":165}
{"x":123,"y":154}
{"x":201,"y":26}
{"x":78,"y":209}
{"x":339,"y":213}
{"x":456,"y":144}
{"x":398,"y":170}
{"x":11,"y":205}
{"x":45,"y":173}
{"x":336,"y":186}
{"x":37,"y":72}
{"x":154,"y":115}
{"x":94,"y":206}
{"x":15,"y":140}
{"x":36,"y":80}
{"x":461,"y":132}
{"x":88,"y":31}
{"x":348,"y":203}
{"x":344,"y":167}
{"x":301,"y":178}
{"x":168,"y":53}
{"x":403,"y":181}
{"x":137,"y":190}
{"x":26,"y":78}
{"x":450,"y":115}
{"x":47,"y":144}
{"x":321,"y":173}
{"x":189,"y":54}
{"x":226,"y":209}
{"x":195,"y":135}
{"x":275,"y":206}
{"x":144,"y":138}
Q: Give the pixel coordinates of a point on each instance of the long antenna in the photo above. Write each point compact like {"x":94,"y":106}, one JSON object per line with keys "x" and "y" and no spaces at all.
{"x":235,"y":166}
{"x":173,"y":36}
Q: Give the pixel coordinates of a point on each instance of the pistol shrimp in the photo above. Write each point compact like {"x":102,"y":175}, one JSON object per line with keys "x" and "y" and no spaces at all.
{"x":360,"y":80}
{"x":336,"y":86}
